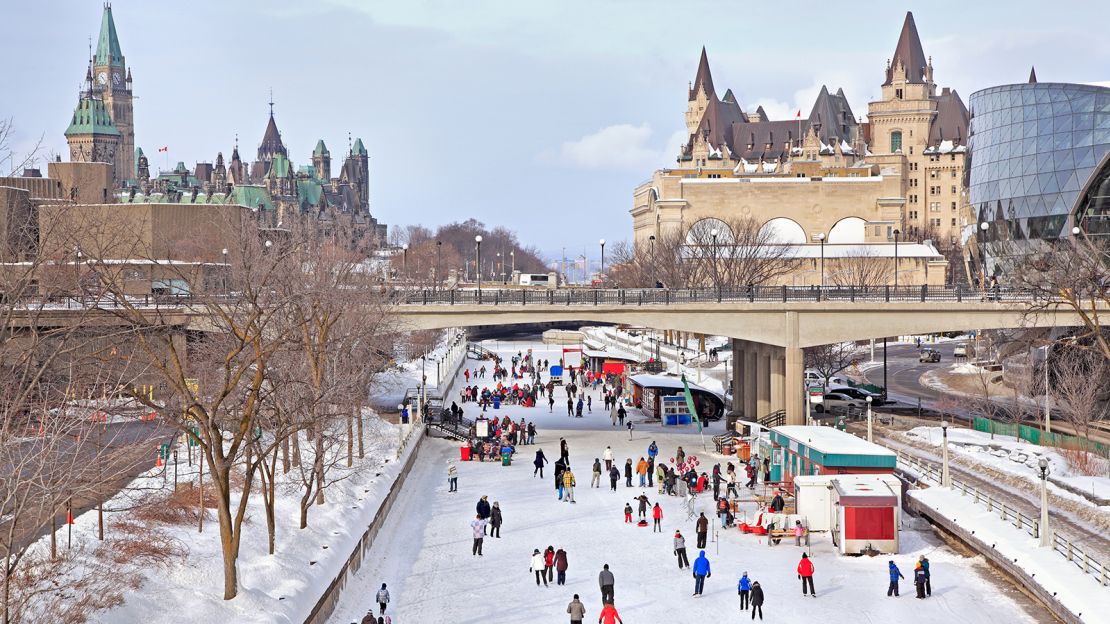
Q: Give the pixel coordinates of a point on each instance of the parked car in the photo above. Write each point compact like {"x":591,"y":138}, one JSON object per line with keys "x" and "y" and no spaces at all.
{"x":960,"y":351}
{"x":928,"y":355}
{"x":814,"y":378}
{"x":859,"y":394}
{"x":837,"y":401}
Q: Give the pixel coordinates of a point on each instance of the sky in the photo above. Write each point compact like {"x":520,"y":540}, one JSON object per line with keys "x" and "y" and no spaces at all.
{"x":539,"y":116}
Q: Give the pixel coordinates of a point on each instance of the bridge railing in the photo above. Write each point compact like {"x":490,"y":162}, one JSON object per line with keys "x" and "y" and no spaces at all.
{"x":751,"y":294}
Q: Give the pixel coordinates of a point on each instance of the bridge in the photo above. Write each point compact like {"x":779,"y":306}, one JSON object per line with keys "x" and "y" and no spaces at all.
{"x":769,"y":326}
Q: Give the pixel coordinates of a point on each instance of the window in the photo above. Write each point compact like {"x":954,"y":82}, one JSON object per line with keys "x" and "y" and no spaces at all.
{"x":953,"y":221}
{"x":933,"y":174}
{"x":953,"y":206}
{"x":953,"y":173}
{"x":934,"y":206}
{"x":896,"y":137}
{"x":897,"y":94}
{"x":953,"y":189}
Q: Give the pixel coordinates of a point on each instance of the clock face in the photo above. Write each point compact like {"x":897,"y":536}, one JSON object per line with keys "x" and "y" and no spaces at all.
{"x":102,"y":78}
{"x":115,"y":78}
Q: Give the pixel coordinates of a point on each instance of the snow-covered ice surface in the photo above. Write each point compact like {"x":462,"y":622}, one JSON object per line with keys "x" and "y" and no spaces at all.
{"x":423,"y":551}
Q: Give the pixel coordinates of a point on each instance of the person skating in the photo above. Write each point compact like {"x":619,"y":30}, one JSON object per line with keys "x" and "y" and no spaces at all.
{"x":895,"y":574}
{"x":642,"y":505}
{"x":701,"y":572}
{"x":628,"y":472}
{"x":369,"y":618}
{"x":621,"y":414}
{"x":577,"y":610}
{"x":537,"y":566}
{"x":805,"y":572}
{"x":757,"y":600}
{"x":924,"y":561}
{"x":483,"y":509}
{"x":657,"y":517}
{"x":568,"y":485}
{"x":570,"y":406}
{"x":680,"y":550}
{"x":595,"y":480}
{"x":650,"y":470}
{"x":564,"y":450}
{"x":744,"y":590}
{"x":627,"y":513}
{"x":716,"y":481}
{"x":495,"y":521}
{"x":641,"y":469}
{"x":590,"y":404}
{"x":614,"y":476}
{"x":608,"y":457}
{"x":660,"y":478}
{"x":702,"y":529}
{"x":653,"y":450}
{"x":540,"y":460}
{"x":606,"y":581}
{"x":609,"y":615}
{"x":479,"y":527}
{"x":549,"y":564}
{"x":578,"y":408}
{"x":452,"y":476}
{"x":919,"y":580}
{"x":382,"y":598}
{"x":561,"y":567}
{"x":550,"y":403}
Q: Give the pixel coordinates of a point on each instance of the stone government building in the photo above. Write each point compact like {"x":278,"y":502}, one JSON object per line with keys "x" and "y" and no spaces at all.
{"x":856,"y":185}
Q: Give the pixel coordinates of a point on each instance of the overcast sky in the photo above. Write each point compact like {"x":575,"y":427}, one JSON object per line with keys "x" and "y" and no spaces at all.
{"x":541,"y":116}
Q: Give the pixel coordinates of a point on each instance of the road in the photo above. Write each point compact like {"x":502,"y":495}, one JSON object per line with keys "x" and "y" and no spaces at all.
{"x":904,"y":372}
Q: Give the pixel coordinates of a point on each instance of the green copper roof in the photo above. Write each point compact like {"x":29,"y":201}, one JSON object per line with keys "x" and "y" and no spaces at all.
{"x":280,"y":166}
{"x":321,"y":149}
{"x":309,"y":192}
{"x":107,"y":48}
{"x":358,"y":149}
{"x":252,"y":196}
{"x":91,"y":117}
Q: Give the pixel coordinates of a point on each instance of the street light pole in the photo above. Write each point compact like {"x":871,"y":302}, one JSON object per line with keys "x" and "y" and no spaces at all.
{"x":405,"y":260}
{"x":821,"y":239}
{"x":512,"y":265}
{"x":435,"y":272}
{"x":945,"y":473}
{"x":651,"y":239}
{"x":869,"y":439}
{"x":601,"y":276}
{"x":896,"y":233}
{"x":1047,"y":411}
{"x":1044,"y":530}
{"x":478,"y":261}
{"x":713,"y":257}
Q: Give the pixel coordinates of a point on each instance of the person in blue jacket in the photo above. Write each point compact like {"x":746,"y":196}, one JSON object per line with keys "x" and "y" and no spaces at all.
{"x":744,"y":588}
{"x":701,"y":571}
{"x":895,"y":574}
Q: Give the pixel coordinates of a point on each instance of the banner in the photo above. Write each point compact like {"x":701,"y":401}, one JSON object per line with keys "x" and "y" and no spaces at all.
{"x":690,"y":403}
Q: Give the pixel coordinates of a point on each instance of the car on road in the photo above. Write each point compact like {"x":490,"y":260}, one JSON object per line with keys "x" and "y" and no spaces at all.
{"x":928,"y":355}
{"x":960,"y":351}
{"x":838,"y":401}
{"x":859,"y":394}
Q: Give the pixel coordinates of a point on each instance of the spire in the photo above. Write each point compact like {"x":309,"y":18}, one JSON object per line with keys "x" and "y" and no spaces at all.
{"x":1032,"y":75}
{"x":271,"y":138}
{"x":909,"y":54}
{"x":107,"y":47}
{"x":729,"y":98}
{"x":358,"y":149}
{"x":321,"y":149}
{"x":703,"y":80}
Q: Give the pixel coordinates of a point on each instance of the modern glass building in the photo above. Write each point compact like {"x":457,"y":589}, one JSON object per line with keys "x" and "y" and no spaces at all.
{"x":1039,"y":165}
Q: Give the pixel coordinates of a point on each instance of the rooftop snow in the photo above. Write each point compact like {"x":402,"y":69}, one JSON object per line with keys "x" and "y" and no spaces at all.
{"x":830,"y":441}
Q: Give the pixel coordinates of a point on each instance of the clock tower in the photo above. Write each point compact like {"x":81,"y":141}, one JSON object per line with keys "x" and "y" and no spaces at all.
{"x":112,"y":84}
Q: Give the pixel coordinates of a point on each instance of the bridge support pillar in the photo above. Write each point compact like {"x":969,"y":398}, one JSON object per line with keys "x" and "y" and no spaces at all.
{"x":750,"y":357}
{"x":763,"y":382}
{"x":736,"y":410}
{"x":778,"y":373}
{"x":795,"y":366}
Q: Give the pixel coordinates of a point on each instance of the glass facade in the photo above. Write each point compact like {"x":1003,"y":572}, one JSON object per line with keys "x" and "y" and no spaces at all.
{"x":1039,"y":165}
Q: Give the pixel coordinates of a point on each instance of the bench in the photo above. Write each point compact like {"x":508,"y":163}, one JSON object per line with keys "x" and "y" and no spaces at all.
{"x":774,"y":536}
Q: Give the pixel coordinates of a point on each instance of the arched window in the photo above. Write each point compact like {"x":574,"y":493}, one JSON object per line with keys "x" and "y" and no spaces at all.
{"x":895,"y":141}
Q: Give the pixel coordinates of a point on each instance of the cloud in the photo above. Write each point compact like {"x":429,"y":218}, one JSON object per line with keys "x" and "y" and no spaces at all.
{"x":621,"y":146}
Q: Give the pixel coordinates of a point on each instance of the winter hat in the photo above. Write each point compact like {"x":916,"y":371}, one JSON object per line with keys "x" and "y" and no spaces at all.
{"x":536,"y":551}
{"x":383,"y":585}
{"x":805,"y":556}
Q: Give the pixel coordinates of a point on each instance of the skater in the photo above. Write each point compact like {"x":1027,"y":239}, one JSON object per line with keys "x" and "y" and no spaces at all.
{"x":621,"y":413}
{"x":608,"y":456}
{"x":660,"y":477}
{"x":723,"y":512}
{"x":805,"y":572}
{"x":452,"y":476}
{"x":799,"y":532}
{"x":679,"y":456}
{"x":895,"y":574}
{"x":614,"y":476}
{"x":757,"y":600}
{"x":650,"y":470}
{"x":495,"y":521}
{"x":578,"y":408}
{"x":483,"y":509}
{"x":716,"y":481}
{"x":701,"y":572}
{"x":680,"y":550}
{"x":550,"y":403}
{"x":641,"y":469}
{"x":595,"y":480}
{"x":609,"y":615}
{"x":924,"y":561}
{"x":570,"y":405}
{"x":743,"y":589}
{"x":382,"y":598}
{"x":919,"y":580}
{"x":531,"y":433}
{"x":653,"y":450}
{"x":657,"y":516}
{"x":561,"y":567}
{"x":479,"y":527}
{"x":549,"y":564}
{"x":642,"y":505}
{"x":702,"y":528}
{"x":590,"y":404}
{"x":577,"y":610}
{"x":560,"y":468}
{"x":538,"y":567}
{"x":627,"y":513}
{"x":777,"y":503}
{"x":564,"y":450}
{"x":628,"y":472}
{"x":541,"y":459}
{"x":606,"y":581}
{"x":568,"y":485}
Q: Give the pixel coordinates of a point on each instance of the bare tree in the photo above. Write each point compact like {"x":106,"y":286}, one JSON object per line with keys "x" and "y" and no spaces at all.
{"x":863,"y":270}
{"x":1079,"y":386}
{"x":828,"y":360}
{"x":12,"y":161}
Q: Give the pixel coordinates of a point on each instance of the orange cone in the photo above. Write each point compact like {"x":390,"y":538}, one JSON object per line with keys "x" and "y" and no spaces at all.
{"x":69,"y":517}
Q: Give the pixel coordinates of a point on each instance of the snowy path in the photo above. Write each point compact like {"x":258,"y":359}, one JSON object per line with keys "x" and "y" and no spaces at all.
{"x":423,"y":551}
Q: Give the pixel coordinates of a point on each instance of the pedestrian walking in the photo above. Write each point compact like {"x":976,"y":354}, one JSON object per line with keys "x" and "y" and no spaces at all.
{"x":538,"y":567}
{"x":757,"y":600}
{"x":561,"y":567}
{"x":744,"y":590}
{"x":716,"y":481}
{"x":621,"y":414}
{"x":799,"y":531}
{"x":627,"y":513}
{"x":628,"y":472}
{"x":483,"y":509}
{"x":495,"y":521}
{"x":479,"y":527}
{"x":805,"y":572}
{"x":550,"y":403}
{"x":614,"y":476}
{"x":650,"y":470}
{"x":452,"y":476}
{"x":680,"y":550}
{"x":595,"y":480}
{"x":609,"y":615}
{"x":568,"y":485}
{"x":606,"y":581}
{"x":577,"y":610}
{"x":641,"y":469}
{"x":570,"y":406}
{"x":702,"y":529}
{"x":766,"y":470}
{"x":382,"y":598}
{"x":630,"y":428}
{"x":701,"y":572}
{"x":924,"y":561}
{"x":657,"y":516}
{"x":549,"y":564}
{"x":895,"y":574}
{"x":919,"y":580}
{"x":608,"y":456}
{"x":540,"y":460}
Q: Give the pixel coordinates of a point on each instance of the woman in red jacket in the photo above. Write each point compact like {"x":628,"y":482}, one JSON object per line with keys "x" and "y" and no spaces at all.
{"x":549,"y":563}
{"x":805,"y":572}
{"x":657,"y":515}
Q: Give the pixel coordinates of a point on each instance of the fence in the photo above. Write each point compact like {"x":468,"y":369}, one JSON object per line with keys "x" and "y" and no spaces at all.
{"x":1070,"y":550}
{"x":1039,"y":437}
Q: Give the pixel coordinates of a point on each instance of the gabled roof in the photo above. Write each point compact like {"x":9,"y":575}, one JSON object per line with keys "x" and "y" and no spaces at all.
{"x":834,"y":114}
{"x":91,"y":117}
{"x":703,"y":79}
{"x":908,"y":52}
{"x":951,"y":121}
{"x":271,"y":141}
{"x":280,"y":167}
{"x":729,"y":97}
{"x":107,"y":47}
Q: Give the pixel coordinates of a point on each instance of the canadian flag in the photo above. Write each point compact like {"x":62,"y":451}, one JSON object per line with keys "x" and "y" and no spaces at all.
{"x":165,"y":148}
{"x":799,"y":115}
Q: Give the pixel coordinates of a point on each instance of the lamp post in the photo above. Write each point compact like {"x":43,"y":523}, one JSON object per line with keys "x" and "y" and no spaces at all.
{"x":945,"y":473}
{"x":226,"y":268}
{"x":601,"y":275}
{"x":435,"y":272}
{"x":651,"y":239}
{"x":1044,"y":530}
{"x":896,"y":233}
{"x":713,"y":255}
{"x":404,"y":260}
{"x":869,"y":419}
{"x":512,"y":263}
{"x":983,"y":227}
{"x":1047,"y":411}
{"x":821,"y":239}
{"x":478,"y":261}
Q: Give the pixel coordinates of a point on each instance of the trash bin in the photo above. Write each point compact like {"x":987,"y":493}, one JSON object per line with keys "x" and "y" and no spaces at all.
{"x":506,"y":457}
{"x":744,"y":452}
{"x":496,"y":402}
{"x":464,"y":453}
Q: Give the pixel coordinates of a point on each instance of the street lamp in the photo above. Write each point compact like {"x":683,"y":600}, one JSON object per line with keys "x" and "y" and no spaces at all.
{"x":821,"y":239}
{"x":478,"y":261}
{"x":713,"y":255}
{"x":405,"y":259}
{"x":601,"y":276}
{"x":435,"y":272}
{"x":651,"y":239}
{"x":1044,"y":530}
{"x":896,"y":233}
{"x":983,"y":227}
{"x":869,"y":419}
{"x":945,"y":473}
{"x":226,"y":268}
{"x":512,"y":263}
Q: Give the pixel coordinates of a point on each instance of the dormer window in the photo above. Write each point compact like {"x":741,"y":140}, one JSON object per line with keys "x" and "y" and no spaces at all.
{"x":897,"y":94}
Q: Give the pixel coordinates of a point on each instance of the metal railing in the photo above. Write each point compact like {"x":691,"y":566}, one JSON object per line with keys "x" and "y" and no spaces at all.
{"x":752,"y":294}
{"x":1070,"y":550}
